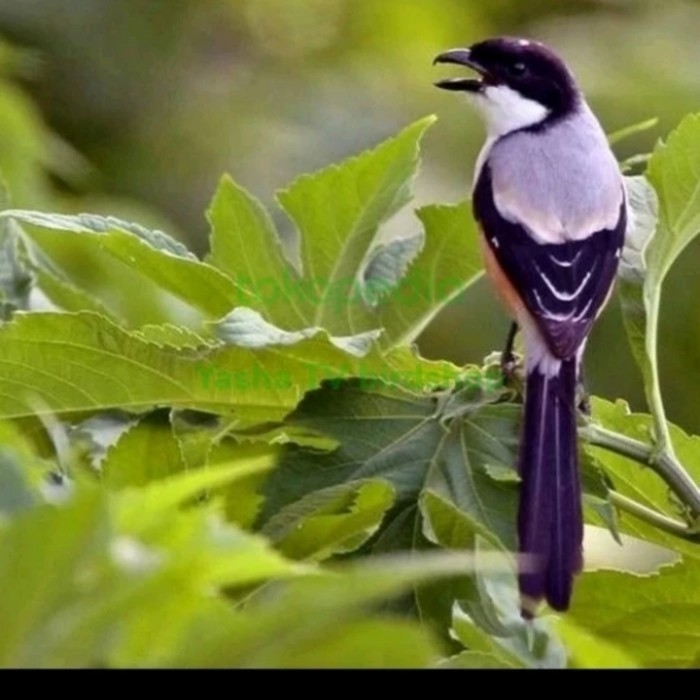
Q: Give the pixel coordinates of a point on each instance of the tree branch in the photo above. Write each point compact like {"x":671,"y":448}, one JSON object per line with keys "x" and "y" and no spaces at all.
{"x":663,"y":462}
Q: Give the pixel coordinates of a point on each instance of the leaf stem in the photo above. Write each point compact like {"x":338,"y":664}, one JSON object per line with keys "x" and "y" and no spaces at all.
{"x":653,"y":517}
{"x":653,"y":391}
{"x":662,"y":461}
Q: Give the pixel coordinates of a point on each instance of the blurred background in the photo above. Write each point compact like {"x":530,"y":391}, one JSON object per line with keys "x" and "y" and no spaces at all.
{"x":136,"y":108}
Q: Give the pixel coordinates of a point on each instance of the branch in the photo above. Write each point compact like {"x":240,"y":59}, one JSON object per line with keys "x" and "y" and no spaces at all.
{"x":653,"y":517}
{"x":663,"y":462}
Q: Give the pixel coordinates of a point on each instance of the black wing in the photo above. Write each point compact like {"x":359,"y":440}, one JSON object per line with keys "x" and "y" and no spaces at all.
{"x":562,"y":285}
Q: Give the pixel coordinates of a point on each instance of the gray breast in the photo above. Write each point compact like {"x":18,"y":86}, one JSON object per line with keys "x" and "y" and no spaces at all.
{"x":562,"y":183}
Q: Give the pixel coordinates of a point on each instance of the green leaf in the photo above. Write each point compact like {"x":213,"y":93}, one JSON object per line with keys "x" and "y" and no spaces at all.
{"x":587,"y":650}
{"x":449,"y":264}
{"x":35,"y":588}
{"x":397,"y":436}
{"x":245,"y":245}
{"x":349,"y":284}
{"x":643,"y":204}
{"x":461,"y":499}
{"x":148,"y":451}
{"x":153,"y":254}
{"x":93,"y":437}
{"x":198,"y":434}
{"x":388,"y":265}
{"x":83,"y":362}
{"x":331,"y":521}
{"x":168,"y":335}
{"x":248,"y":329}
{"x":65,"y":294}
{"x":93,"y":223}
{"x":397,"y":429}
{"x":142,"y":508}
{"x":674,"y":174}
{"x":121,"y":576}
{"x":243,"y":498}
{"x":338,"y":212}
{"x":653,"y":619}
{"x":318,"y":620}
{"x":364,"y":643}
{"x":491,"y":622}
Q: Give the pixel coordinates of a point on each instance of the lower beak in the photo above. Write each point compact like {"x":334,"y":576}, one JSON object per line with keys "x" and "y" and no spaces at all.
{"x":459,"y":57}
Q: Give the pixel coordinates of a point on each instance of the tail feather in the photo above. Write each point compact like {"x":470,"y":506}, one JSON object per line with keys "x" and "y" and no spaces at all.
{"x":550,"y":521}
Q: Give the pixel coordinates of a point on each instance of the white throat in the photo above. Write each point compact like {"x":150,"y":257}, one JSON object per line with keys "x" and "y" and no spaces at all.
{"x":506,"y":110}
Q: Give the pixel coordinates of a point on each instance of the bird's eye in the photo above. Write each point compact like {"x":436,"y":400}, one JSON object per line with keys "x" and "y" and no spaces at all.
{"x":518,"y":69}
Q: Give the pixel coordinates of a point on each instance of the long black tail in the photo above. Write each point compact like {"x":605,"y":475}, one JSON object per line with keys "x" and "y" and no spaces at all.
{"x":550,"y":521}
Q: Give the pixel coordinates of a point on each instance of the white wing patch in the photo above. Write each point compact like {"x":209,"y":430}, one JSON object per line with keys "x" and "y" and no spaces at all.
{"x":564,"y":296}
{"x":566,"y":263}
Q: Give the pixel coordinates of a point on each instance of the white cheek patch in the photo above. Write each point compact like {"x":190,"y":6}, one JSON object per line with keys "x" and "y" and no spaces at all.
{"x":506,"y":110}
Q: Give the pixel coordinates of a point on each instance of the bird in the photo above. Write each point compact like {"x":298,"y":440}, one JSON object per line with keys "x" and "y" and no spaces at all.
{"x":551,"y":205}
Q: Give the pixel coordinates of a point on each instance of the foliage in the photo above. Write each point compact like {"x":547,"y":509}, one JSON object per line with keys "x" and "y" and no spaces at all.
{"x":270,"y":481}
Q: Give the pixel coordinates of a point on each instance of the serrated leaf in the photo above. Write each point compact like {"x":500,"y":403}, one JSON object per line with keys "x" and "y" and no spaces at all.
{"x":94,"y":223}
{"x":653,"y":619}
{"x":83,"y":362}
{"x":197,"y":434}
{"x":388,"y":265}
{"x":168,"y":335}
{"x":246,"y":246}
{"x":147,"y":451}
{"x":331,"y":521}
{"x":97,"y":434}
{"x":459,"y":491}
{"x":243,"y":498}
{"x":400,"y":437}
{"x":674,"y":172}
{"x":398,"y":430}
{"x":338,"y":212}
{"x":449,"y":263}
{"x":246,"y":328}
{"x":165,"y":262}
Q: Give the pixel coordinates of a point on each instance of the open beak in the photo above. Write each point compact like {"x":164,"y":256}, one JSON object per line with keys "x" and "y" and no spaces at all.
{"x":461,"y":57}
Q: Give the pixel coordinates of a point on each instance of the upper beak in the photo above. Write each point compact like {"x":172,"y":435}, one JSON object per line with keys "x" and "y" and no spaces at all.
{"x":460,"y":57}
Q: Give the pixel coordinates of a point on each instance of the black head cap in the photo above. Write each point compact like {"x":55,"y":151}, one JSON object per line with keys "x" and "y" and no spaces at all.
{"x":529,"y":67}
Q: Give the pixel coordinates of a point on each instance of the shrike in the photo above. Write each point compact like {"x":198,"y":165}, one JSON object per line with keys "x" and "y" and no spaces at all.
{"x":550,"y":201}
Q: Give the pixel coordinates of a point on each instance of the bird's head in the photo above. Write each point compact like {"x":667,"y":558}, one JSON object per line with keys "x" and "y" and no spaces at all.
{"x":521,"y":83}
